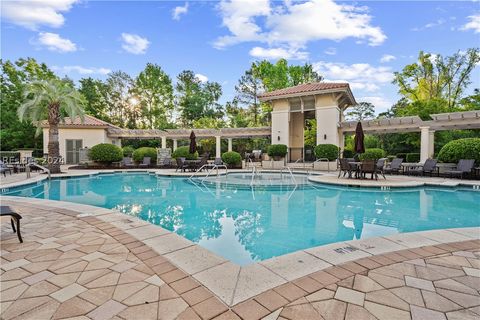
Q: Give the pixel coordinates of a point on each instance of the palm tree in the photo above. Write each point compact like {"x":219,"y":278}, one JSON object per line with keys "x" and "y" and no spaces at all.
{"x":50,"y":100}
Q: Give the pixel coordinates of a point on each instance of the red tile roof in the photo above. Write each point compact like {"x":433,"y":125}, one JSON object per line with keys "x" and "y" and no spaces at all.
{"x":307,"y":87}
{"x":89,"y":121}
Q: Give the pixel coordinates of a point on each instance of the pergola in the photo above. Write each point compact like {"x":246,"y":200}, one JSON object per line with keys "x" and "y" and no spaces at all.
{"x":439,"y":122}
{"x":179,"y":134}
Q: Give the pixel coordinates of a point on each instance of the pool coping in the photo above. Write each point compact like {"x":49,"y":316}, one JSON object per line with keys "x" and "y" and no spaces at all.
{"x":232,"y":283}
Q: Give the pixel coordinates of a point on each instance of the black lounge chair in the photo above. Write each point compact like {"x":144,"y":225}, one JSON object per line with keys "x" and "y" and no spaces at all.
{"x":429,"y":167}
{"x":127,"y":162}
{"x":464,"y":167}
{"x":4,"y":168}
{"x":394,"y":166}
{"x":345,"y":167}
{"x":181,"y":164}
{"x":381,"y":166}
{"x":15,"y":217}
{"x":146,"y":162}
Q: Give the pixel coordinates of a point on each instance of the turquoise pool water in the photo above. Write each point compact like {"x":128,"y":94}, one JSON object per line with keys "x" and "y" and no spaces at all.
{"x":246,"y":225}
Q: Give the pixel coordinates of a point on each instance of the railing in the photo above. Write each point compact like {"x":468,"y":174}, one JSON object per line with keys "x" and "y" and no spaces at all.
{"x":41,"y":167}
{"x":291,"y":174}
{"x":216,"y":166}
{"x":324,"y":159}
{"x":254,"y":173}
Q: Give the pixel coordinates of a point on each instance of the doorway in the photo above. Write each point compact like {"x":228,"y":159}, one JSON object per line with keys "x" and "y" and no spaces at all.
{"x":73,"y":150}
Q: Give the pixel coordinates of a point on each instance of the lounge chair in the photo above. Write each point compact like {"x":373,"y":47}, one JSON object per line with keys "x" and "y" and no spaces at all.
{"x":429,"y":167}
{"x":369,"y":166}
{"x":181,"y":164}
{"x":167,"y":162}
{"x":345,"y":167}
{"x":203,"y":162}
{"x":128,"y":162}
{"x":146,"y":162}
{"x":394,"y":166}
{"x":380,"y":166}
{"x":15,"y":217}
{"x":464,"y":167}
{"x":4,"y":168}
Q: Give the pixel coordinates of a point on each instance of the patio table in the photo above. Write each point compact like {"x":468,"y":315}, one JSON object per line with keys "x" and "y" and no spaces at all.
{"x":406,"y":167}
{"x":192,"y":164}
{"x":357,"y":165}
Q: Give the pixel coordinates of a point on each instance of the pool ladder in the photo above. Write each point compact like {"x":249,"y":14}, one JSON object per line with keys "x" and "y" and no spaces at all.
{"x":207,"y":166}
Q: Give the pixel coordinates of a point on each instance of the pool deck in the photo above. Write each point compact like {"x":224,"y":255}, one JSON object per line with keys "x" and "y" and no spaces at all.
{"x":80,"y":260}
{"x":95,"y":263}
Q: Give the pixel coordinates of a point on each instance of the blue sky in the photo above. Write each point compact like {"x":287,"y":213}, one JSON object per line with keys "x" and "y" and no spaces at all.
{"x":361,"y":42}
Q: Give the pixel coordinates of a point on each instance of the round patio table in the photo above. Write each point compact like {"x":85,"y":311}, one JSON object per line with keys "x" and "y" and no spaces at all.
{"x":358,"y":166}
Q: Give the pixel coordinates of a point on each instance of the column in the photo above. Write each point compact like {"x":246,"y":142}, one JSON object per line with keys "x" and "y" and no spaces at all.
{"x":218,"y":145}
{"x":327,"y":125}
{"x":164,"y":142}
{"x":230,"y":144}
{"x":431,"y":143}
{"x":174,"y":144}
{"x":424,"y":143}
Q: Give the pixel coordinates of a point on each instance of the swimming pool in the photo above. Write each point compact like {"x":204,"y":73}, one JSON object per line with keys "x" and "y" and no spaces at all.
{"x":246,"y":224}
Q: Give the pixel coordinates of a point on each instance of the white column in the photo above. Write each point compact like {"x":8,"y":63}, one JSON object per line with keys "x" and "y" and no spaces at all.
{"x":424,"y":143}
{"x":327,"y":125}
{"x":174,"y":144}
{"x":164,"y":142}
{"x":230,"y":144}
{"x":431,"y":143}
{"x":218,"y":147}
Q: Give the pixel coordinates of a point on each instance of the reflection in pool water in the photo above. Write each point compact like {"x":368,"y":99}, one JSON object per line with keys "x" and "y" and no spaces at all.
{"x":246,"y":225}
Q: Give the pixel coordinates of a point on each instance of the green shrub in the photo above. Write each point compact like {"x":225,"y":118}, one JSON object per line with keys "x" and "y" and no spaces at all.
{"x":140,"y":153}
{"x":372,"y":154}
{"x":347,"y":153}
{"x":183,"y":152}
{"x":231,"y":158}
{"x":402,"y":156}
{"x":390,"y":158}
{"x":105,"y":153}
{"x":413,"y":157}
{"x":277,"y":150}
{"x":329,"y":151}
{"x":468,"y":148}
{"x":128,"y":151}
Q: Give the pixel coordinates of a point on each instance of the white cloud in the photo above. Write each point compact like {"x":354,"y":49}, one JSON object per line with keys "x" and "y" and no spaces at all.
{"x":178,"y":11}
{"x":295,"y":24}
{"x":387,"y":58}
{"x":201,"y":77}
{"x":32,"y":14}
{"x":381,"y":103}
{"x":82,"y":70}
{"x":278,"y":53}
{"x":430,"y":25}
{"x":473,"y":24}
{"x":134,"y":43}
{"x":360,"y":75}
{"x":330,"y":51}
{"x":54,"y":42}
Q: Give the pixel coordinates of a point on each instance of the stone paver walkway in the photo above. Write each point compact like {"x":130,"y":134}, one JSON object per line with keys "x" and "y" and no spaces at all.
{"x":84,"y":268}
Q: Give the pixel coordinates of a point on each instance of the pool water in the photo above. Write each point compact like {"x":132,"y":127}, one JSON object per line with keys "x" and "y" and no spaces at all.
{"x":246,"y":225}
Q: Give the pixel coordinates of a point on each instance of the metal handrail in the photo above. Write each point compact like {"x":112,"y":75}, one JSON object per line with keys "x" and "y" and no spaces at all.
{"x":291,"y":174}
{"x":216,"y":166}
{"x":41,"y":167}
{"x":195,"y":173}
{"x":324,"y":159}
{"x":254,"y":173}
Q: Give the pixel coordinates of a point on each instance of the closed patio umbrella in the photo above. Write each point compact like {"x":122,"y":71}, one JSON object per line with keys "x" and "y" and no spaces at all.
{"x":358,"y":142}
{"x":193,"y":143}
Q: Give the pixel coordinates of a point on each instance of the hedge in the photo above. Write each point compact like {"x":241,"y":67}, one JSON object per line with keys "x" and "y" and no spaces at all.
{"x":372,"y":154}
{"x":128,"y":151}
{"x":105,"y":153}
{"x":232,"y":158}
{"x":183,"y":152}
{"x":468,"y":148}
{"x":277,"y":150}
{"x":347,"y":153}
{"x":412,"y":157}
{"x":140,"y":153}
{"x":402,"y":156}
{"x":329,"y":151}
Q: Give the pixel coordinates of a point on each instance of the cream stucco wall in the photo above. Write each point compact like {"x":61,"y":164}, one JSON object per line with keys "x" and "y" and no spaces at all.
{"x":89,"y":137}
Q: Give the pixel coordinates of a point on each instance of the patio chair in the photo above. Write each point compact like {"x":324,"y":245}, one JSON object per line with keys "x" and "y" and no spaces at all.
{"x":394,"y":166}
{"x":345,"y":167}
{"x":15,"y":217}
{"x":429,"y":167}
{"x":146,"y":162}
{"x":167,"y":162}
{"x":4,"y":168}
{"x":203,"y":162}
{"x":464,"y":167}
{"x":380,"y":166}
{"x":181,"y":164}
{"x":369,"y":166}
{"x":128,"y":162}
